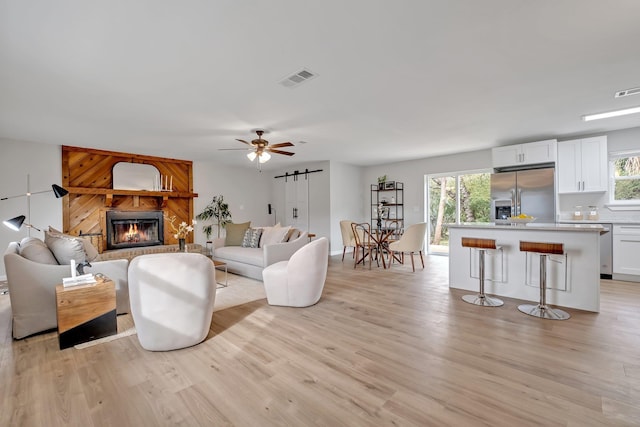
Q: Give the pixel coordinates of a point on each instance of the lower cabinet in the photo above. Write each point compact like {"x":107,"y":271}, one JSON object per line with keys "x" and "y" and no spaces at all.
{"x":626,"y":247}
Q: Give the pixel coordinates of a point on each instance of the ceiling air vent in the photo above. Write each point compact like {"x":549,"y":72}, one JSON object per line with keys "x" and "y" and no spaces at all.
{"x":298,"y":78}
{"x":627,"y":92}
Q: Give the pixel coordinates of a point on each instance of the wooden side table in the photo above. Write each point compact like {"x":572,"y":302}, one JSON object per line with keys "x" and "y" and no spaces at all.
{"x":85,"y":312}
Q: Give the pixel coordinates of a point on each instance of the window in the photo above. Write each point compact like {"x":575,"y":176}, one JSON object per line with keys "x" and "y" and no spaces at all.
{"x":452,"y":199}
{"x":625,"y":182}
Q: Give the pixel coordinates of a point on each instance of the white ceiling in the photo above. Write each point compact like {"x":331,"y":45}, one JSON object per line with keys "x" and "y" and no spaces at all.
{"x":397,"y":80}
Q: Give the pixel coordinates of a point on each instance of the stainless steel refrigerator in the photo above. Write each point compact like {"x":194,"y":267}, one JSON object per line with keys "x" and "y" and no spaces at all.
{"x":530,"y":192}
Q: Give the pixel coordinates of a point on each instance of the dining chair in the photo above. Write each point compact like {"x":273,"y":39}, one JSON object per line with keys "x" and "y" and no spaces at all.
{"x":395,"y":229}
{"x":411,"y":241}
{"x":364,"y":243}
{"x":348,"y":239}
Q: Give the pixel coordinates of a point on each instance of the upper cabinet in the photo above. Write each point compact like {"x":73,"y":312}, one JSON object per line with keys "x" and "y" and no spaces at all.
{"x":582,"y":165}
{"x":524,"y":154}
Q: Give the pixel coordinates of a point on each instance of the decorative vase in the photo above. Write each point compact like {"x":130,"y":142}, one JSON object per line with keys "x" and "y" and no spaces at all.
{"x":181,"y":246}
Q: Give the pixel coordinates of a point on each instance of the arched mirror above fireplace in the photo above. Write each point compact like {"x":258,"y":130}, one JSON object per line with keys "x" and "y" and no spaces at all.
{"x":135,"y":176}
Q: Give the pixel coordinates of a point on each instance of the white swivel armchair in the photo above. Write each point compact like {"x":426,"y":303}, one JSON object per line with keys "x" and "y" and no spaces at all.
{"x":299,"y":281}
{"x":411,"y":241}
{"x":172,"y":297}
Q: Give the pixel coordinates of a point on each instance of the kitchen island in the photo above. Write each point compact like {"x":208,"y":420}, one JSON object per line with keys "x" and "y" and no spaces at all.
{"x":573,"y":280}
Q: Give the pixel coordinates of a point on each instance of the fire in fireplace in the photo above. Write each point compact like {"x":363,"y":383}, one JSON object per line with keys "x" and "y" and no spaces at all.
{"x":130,"y":229}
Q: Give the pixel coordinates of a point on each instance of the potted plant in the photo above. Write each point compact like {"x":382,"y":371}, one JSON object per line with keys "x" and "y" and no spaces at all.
{"x":381,"y":180}
{"x":217,"y":209}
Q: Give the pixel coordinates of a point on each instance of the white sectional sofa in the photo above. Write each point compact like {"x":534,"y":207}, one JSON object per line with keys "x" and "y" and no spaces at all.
{"x":250,"y":262}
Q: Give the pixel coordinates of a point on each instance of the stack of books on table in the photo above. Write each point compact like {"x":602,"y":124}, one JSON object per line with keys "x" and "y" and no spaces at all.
{"x":84,"y":279}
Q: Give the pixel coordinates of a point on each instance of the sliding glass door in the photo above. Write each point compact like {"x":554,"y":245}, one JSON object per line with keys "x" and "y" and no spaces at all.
{"x":452,"y":199}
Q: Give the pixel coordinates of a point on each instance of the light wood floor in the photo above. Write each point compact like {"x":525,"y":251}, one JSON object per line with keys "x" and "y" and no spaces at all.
{"x":382,"y":348}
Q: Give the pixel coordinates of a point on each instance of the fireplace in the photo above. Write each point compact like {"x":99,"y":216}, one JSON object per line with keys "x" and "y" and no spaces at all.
{"x":132,"y":229}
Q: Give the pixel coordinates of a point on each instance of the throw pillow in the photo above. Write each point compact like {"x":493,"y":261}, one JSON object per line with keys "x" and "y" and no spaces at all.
{"x":35,"y":250}
{"x":293,"y":234}
{"x":235,"y":233}
{"x":64,"y":248}
{"x":273,"y":235}
{"x":251,"y":238}
{"x":90,"y":250}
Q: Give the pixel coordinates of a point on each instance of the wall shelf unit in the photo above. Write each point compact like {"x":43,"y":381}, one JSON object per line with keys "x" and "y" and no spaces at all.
{"x":391,"y":196}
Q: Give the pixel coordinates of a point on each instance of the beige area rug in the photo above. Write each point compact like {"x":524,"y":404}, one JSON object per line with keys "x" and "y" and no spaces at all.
{"x":239,"y":290}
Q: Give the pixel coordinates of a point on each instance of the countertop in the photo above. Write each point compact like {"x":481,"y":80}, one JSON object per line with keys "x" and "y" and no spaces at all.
{"x":532,"y":226}
{"x":601,"y":221}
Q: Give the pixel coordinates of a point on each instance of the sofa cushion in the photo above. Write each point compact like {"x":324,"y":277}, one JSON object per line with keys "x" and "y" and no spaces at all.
{"x":251,"y":238}
{"x":90,"y":250}
{"x":235,"y":233}
{"x":35,"y":250}
{"x":251,"y":256}
{"x":273,"y":235}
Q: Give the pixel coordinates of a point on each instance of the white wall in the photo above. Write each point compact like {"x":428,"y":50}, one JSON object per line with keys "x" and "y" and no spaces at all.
{"x":341,"y":191}
{"x":246,"y":190}
{"x":346,"y":200}
{"x":411,"y":174}
{"x":43,"y":164}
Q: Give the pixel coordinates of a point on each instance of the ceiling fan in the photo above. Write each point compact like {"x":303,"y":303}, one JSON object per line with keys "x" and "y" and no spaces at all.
{"x":260,"y":148}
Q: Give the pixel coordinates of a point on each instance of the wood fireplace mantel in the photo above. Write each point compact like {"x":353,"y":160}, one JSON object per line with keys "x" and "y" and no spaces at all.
{"x":88,"y":176}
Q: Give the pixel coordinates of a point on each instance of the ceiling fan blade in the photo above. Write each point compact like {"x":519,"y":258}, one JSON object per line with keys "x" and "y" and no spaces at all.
{"x":242,"y":140}
{"x":286,"y":153}
{"x":282,"y":144}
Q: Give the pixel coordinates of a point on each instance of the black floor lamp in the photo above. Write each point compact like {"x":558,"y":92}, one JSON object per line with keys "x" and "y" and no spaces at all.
{"x":19,"y":221}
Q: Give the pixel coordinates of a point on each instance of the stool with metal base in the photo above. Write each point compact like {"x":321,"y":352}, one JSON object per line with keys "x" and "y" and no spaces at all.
{"x":542,"y":310}
{"x":482,"y":245}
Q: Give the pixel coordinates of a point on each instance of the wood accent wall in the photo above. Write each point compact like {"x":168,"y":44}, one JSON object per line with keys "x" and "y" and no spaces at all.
{"x":88,"y":176}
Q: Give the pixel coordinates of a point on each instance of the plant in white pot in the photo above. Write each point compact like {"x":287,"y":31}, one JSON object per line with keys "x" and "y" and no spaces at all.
{"x":218,"y":209}
{"x":381,"y":180}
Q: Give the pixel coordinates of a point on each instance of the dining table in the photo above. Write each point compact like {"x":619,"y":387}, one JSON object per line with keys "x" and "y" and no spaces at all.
{"x":381,"y":236}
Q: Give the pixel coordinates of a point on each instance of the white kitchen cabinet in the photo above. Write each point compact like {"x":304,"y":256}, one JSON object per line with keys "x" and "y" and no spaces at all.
{"x":524,"y":154}
{"x":582,"y":165}
{"x":626,"y":247}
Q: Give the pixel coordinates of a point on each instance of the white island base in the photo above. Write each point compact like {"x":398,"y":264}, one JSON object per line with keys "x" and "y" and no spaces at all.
{"x":573,"y":280}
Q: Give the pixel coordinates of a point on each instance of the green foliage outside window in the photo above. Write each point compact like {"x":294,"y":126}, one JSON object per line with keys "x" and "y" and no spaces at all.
{"x":627,"y":178}
{"x":475,"y":203}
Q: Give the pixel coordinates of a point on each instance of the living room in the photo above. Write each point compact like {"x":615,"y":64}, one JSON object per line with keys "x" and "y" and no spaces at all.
{"x":429,"y":89}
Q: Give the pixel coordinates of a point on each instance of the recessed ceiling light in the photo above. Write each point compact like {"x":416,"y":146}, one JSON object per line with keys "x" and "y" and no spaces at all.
{"x":609,"y":114}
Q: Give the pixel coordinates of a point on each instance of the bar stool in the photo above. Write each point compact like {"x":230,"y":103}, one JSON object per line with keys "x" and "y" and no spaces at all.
{"x":542,"y":310}
{"x":482,"y":245}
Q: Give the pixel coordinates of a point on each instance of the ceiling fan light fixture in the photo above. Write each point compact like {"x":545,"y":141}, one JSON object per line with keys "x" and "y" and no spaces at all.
{"x":252,"y":155}
{"x":264,"y":157}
